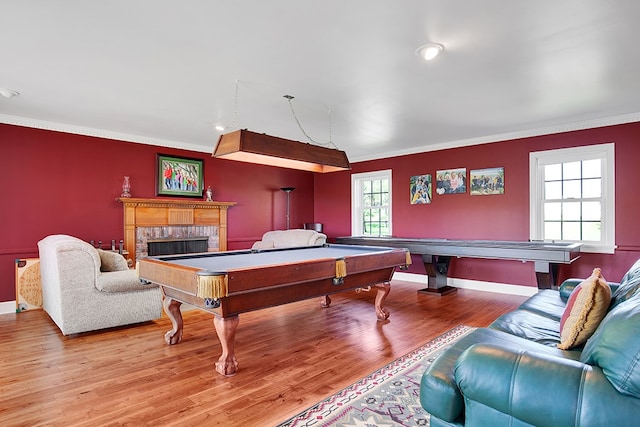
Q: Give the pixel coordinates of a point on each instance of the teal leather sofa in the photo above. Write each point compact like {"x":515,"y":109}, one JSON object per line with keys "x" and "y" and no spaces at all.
{"x":512,"y":373}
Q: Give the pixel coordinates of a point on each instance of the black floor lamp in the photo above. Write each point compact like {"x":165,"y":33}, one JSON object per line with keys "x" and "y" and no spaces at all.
{"x":288,"y":190}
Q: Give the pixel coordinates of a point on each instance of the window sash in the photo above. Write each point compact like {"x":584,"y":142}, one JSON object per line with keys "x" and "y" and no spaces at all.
{"x":371,"y":203}
{"x":563,"y":203}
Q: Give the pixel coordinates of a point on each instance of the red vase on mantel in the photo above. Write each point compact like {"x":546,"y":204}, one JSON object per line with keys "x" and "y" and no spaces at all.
{"x":126,"y":187}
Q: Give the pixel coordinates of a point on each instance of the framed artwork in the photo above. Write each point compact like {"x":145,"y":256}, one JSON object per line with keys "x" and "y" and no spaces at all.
{"x":180,"y":176}
{"x":451,"y":181}
{"x":487,"y":181}
{"x":420,"y":189}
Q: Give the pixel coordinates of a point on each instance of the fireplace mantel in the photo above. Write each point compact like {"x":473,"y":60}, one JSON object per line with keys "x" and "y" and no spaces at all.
{"x":171,"y":212}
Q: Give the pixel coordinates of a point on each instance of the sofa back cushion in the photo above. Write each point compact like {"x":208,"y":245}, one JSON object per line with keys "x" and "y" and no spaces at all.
{"x":587,"y":306}
{"x":615,"y":347}
{"x":290,"y":239}
{"x":629,"y":286}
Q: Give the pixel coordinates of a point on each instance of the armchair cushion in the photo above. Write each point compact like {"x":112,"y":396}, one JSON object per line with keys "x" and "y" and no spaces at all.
{"x":112,"y":261}
{"x":121,"y":281}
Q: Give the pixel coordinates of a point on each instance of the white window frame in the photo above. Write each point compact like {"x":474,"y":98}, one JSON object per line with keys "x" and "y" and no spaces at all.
{"x":537,"y":162}
{"x":356,"y":198}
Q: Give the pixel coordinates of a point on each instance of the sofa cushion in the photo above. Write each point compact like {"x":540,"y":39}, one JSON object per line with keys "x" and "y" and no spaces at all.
{"x":629,"y":286}
{"x":615,"y":347}
{"x":120,"y":281}
{"x":547,"y":303}
{"x":529,"y":325}
{"x":587,"y":306}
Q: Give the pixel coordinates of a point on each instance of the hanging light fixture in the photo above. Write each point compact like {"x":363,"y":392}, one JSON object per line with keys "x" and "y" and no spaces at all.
{"x":246,"y":146}
{"x":251,"y":147}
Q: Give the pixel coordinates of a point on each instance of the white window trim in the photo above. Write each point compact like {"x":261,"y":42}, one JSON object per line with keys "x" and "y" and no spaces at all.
{"x":356,"y":199}
{"x":537,"y":161}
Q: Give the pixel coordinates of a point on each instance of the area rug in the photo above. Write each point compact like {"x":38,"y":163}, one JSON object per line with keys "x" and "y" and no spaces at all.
{"x":388,"y":397}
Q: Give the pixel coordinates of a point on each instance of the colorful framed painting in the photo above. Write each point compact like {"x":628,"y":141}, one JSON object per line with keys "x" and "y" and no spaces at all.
{"x":487,"y":181}
{"x":451,"y":181}
{"x":180,"y":176}
{"x":420,"y":189}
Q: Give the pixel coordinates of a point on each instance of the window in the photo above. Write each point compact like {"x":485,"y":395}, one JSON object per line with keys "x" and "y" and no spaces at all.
{"x":572,"y":194}
{"x":371,"y":203}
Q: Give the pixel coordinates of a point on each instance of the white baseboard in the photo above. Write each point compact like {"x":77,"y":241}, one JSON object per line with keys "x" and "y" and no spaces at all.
{"x":476,"y":285}
{"x":7,"y":307}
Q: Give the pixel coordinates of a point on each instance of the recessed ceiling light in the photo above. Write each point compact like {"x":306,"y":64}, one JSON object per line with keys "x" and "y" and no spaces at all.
{"x":429,"y":51}
{"x":220,"y":128}
{"x":8,"y":93}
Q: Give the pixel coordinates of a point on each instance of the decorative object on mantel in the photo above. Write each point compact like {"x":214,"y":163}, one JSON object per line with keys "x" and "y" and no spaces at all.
{"x":245,"y":146}
{"x":209,"y":194}
{"x":126,"y":187}
{"x":288,"y":190}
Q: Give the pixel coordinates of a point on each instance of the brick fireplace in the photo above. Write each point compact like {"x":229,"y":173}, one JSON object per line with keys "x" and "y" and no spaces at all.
{"x":173,"y":220}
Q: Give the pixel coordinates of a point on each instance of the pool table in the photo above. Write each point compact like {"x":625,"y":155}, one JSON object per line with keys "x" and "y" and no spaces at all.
{"x":229,"y":283}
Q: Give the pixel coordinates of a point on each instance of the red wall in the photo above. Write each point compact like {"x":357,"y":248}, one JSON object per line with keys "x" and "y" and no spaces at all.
{"x":497,"y":217}
{"x":63,"y":183}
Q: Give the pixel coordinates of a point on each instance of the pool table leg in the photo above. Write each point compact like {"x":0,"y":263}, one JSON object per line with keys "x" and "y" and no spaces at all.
{"x":383,"y":290}
{"x":172,"y":308}
{"x":226,"y":327}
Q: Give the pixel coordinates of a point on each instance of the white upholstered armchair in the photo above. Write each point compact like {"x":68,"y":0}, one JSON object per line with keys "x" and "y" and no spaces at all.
{"x":85,"y":289}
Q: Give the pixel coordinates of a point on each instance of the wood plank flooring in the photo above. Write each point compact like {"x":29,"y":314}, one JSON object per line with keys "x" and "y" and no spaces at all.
{"x":290,"y":357}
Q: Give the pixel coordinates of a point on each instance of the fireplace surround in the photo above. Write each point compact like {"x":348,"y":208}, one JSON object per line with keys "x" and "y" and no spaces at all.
{"x":169,"y":219}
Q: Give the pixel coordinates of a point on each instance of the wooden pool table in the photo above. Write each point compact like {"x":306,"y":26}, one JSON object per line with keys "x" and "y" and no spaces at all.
{"x":229,"y":283}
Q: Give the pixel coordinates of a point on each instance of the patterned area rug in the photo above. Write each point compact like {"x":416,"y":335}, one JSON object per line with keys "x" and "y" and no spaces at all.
{"x":387,"y":398}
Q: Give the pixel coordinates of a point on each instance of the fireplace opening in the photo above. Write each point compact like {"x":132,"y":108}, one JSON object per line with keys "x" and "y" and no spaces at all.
{"x":186,"y":245}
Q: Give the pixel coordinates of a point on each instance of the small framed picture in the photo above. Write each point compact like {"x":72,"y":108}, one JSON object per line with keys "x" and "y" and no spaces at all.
{"x":487,"y":181}
{"x":420,"y":189}
{"x":180,"y":176}
{"x":451,"y":181}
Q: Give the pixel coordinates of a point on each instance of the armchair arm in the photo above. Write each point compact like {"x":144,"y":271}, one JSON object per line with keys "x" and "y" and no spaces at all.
{"x":540,"y":389}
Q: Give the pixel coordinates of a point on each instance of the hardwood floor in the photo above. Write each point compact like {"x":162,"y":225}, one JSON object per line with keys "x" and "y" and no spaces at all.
{"x":290,"y":357}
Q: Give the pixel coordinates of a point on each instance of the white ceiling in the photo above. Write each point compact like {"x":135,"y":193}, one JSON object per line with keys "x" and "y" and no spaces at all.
{"x":165,"y":72}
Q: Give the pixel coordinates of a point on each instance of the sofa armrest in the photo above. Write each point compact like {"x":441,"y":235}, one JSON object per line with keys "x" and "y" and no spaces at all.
{"x":539,"y":389}
{"x":570,"y":284}
{"x":262,"y":244}
{"x":567,"y":287}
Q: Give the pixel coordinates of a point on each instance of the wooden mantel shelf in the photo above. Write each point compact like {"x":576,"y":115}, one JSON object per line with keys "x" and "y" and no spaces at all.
{"x":166,"y":203}
{"x":172,"y":212}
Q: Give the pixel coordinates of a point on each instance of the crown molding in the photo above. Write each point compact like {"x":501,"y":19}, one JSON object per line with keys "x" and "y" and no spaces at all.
{"x":99,"y":133}
{"x":568,"y":127}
